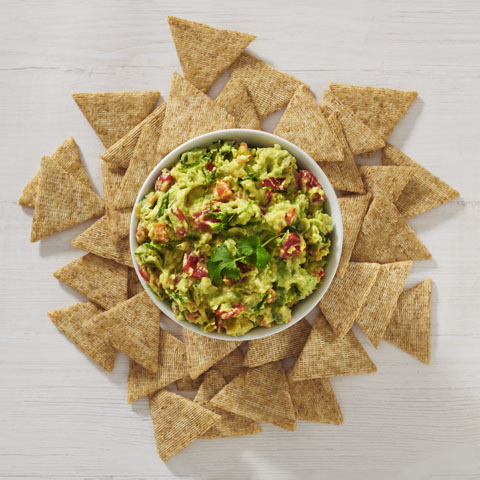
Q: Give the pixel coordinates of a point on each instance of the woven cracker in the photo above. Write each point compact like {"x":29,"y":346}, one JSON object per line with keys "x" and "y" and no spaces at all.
{"x":177,"y":422}
{"x":304,"y":125}
{"x":386,"y":237}
{"x":269,"y":89}
{"x":379,"y":108}
{"x":325,"y":355}
{"x":134,"y":285}
{"x":101,"y":280}
{"x":62,"y":201}
{"x":70,"y":320}
{"x":409,"y":328}
{"x":260,"y":393}
{"x":95,"y":239}
{"x":236,"y":101}
{"x":229,"y":367}
{"x":314,"y":401}
{"x":112,"y":115}
{"x":133,"y":327}
{"x":205,"y":52}
{"x":172,"y":365}
{"x":143,"y":161}
{"x":203,"y":352}
{"x":353,"y":209}
{"x":424,"y":191}
{"x":120,"y":152}
{"x":342,"y":175}
{"x":29,"y":192}
{"x":345,"y":297}
{"x":378,"y":309}
{"x":230,"y":424}
{"x":189,"y":113}
{"x":285,"y":344}
{"x":359,"y":137}
{"x":388,"y":181}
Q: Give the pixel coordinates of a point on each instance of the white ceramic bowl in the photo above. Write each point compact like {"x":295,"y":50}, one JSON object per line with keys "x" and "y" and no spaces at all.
{"x":253,"y":138}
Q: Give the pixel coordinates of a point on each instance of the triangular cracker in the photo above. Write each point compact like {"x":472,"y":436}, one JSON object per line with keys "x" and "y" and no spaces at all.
{"x":133,"y":327}
{"x":62,"y":201}
{"x":287,"y":343}
{"x":345,"y":297}
{"x":172,"y":365}
{"x":189,"y":113}
{"x":409,"y":328}
{"x":342,"y":175}
{"x":229,"y":367}
{"x":134,"y":285}
{"x":235,"y":100}
{"x":325,"y":355}
{"x":230,"y":424}
{"x":70,"y":320}
{"x":382,"y":300}
{"x":304,"y":125}
{"x":112,"y":115}
{"x":101,"y":280}
{"x":386,"y":237}
{"x":388,"y":181}
{"x":260,"y":393}
{"x":95,"y":239}
{"x":353,"y":209}
{"x":205,"y":52}
{"x":203,"y":352}
{"x":143,"y":161}
{"x":29,"y":192}
{"x":120,"y":152}
{"x":177,"y":422}
{"x":424,"y":190}
{"x":379,"y":108}
{"x":314,"y":401}
{"x":269,"y":89}
{"x":359,"y":137}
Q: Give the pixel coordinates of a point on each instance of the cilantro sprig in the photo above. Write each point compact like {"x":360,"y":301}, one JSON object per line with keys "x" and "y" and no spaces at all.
{"x":223,"y":263}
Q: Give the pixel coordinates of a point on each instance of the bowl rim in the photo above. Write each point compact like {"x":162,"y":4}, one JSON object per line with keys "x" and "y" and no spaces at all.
{"x":332,"y":206}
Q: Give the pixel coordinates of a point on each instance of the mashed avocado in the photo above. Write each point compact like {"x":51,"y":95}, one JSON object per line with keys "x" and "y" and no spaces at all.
{"x":233,"y":236}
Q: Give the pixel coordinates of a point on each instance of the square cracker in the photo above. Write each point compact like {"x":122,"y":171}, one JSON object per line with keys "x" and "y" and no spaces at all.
{"x":172,"y":365}
{"x":101,"y":280}
{"x":230,"y":424}
{"x":386,"y":237}
{"x":260,"y":393}
{"x":284,"y":344}
{"x":326,"y":355}
{"x":345,"y":297}
{"x":269,"y":89}
{"x":409,"y":328}
{"x":424,"y":191}
{"x":177,"y":422}
{"x":70,"y":321}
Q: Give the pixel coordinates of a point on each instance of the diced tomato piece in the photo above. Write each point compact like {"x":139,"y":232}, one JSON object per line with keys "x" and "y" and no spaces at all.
{"x":194,"y":265}
{"x":210,"y":166}
{"x":307,"y":180}
{"x":164,"y":181}
{"x":179,"y":214}
{"x":320,"y":274}
{"x":291,"y":246}
{"x":144,"y":274}
{"x":191,"y":316}
{"x":182,"y":231}
{"x":202,"y":222}
{"x":291,"y":215}
{"x":160,"y":233}
{"x":272,"y":296}
{"x":233,"y":312}
{"x":268,"y":196}
{"x":224,"y":189}
{"x":141,"y":234}
{"x":275,"y":183}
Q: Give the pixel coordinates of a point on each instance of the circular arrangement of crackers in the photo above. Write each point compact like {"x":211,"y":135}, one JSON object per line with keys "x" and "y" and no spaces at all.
{"x":239,"y":385}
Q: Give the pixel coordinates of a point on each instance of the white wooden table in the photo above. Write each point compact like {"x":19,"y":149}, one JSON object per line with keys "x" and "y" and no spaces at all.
{"x":61,"y":417}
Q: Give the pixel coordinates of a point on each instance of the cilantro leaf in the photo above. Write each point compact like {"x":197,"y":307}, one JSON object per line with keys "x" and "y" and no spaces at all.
{"x":222,"y":263}
{"x":261,"y":258}
{"x":163,"y":205}
{"x":248,"y":245}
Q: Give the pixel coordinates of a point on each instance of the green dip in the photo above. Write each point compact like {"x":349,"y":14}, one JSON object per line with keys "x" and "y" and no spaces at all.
{"x":233,"y":236}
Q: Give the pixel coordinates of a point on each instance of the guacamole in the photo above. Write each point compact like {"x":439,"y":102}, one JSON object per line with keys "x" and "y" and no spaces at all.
{"x":233,"y":236}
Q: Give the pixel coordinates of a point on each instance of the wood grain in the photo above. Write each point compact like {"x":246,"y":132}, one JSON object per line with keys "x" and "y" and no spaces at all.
{"x":61,"y":417}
